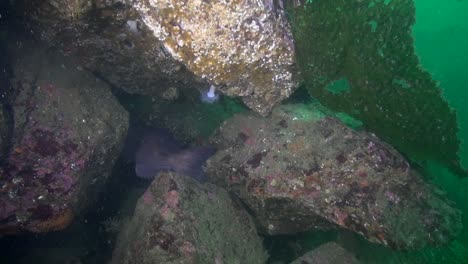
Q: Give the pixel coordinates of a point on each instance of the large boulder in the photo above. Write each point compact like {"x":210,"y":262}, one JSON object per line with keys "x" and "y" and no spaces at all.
{"x":68,"y":131}
{"x":245,"y":48}
{"x":178,"y":220}
{"x":358,"y":57}
{"x":300,"y":169}
{"x":108,"y":38}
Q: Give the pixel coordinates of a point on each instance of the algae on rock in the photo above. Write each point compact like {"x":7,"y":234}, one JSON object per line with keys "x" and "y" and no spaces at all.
{"x":369,"y":43}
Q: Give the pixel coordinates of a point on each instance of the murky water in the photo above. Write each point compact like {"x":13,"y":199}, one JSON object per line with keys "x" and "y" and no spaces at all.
{"x":363,"y":62}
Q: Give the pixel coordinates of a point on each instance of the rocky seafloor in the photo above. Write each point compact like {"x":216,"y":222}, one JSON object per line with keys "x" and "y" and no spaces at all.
{"x":289,"y":183}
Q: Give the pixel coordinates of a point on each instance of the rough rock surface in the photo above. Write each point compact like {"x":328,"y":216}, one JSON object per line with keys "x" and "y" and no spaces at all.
{"x":245,"y":45}
{"x":370,"y":49}
{"x":68,"y":130}
{"x":3,"y":134}
{"x":178,"y":220}
{"x":108,"y":38}
{"x":329,"y":253}
{"x":300,"y":168}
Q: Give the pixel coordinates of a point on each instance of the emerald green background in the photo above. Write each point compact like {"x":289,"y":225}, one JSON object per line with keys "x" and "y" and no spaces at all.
{"x":441,"y":43}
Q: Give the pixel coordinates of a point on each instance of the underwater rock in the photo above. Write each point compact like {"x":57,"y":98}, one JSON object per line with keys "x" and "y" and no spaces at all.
{"x":4,"y":129}
{"x":367,"y":46}
{"x":178,"y":220}
{"x":329,"y":253}
{"x":246,"y":47}
{"x":110,"y":39}
{"x":6,"y":126}
{"x":300,"y":169}
{"x":68,"y":131}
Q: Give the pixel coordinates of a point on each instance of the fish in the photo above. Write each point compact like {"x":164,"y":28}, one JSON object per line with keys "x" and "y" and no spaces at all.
{"x":156,"y":150}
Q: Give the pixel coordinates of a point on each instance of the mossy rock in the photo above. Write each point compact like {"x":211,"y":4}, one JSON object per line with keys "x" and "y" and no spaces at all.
{"x":369,"y":44}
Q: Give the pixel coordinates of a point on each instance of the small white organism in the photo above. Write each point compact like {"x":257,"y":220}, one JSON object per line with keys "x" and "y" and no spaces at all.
{"x":210,"y":96}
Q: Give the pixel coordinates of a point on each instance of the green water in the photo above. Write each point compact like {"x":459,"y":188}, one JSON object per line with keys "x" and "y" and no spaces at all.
{"x":441,"y":43}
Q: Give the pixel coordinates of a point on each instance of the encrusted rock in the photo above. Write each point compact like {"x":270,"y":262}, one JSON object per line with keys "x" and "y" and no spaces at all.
{"x":300,"y":169}
{"x":329,"y":253}
{"x":362,"y":61}
{"x":68,"y":130}
{"x":178,"y":220}
{"x":108,"y":38}
{"x":245,"y":46}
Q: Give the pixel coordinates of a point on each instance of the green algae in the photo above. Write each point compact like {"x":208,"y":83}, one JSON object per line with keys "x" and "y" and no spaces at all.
{"x":388,"y":90}
{"x":338,"y":86}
